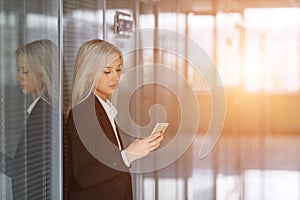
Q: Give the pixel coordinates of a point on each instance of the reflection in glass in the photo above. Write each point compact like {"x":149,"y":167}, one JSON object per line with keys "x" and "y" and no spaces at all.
{"x":29,"y":116}
{"x":36,"y":63}
{"x":29,"y":167}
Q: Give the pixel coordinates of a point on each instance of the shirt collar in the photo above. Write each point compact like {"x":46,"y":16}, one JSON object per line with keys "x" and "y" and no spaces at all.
{"x":109,"y":108}
{"x":30,"y":108}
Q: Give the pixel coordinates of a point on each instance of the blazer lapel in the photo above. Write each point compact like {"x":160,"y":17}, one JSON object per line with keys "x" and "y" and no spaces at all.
{"x":104,"y":121}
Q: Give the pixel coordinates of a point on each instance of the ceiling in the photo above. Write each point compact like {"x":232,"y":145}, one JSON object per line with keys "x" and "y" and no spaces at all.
{"x":200,"y":6}
{"x":146,"y":6}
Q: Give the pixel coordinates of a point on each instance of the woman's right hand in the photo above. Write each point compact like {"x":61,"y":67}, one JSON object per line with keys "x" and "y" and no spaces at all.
{"x":141,"y":147}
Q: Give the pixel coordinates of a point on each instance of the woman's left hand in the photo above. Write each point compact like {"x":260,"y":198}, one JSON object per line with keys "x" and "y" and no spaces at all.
{"x":142,"y":147}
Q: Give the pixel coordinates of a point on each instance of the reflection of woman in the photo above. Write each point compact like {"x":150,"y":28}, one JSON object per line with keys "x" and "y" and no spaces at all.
{"x":29,"y":169}
{"x":100,"y":162}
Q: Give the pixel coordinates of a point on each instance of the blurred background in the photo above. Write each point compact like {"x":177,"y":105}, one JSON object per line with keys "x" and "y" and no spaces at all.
{"x":255,"y":47}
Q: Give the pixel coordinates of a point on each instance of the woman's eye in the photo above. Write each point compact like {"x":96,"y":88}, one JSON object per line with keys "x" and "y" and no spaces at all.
{"x":110,"y":70}
{"x":23,"y":71}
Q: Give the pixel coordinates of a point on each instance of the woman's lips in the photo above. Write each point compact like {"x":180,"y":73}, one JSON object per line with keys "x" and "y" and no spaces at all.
{"x":21,"y":86}
{"x":114,"y":86}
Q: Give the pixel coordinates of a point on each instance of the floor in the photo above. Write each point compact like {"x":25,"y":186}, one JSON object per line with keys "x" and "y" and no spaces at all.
{"x":260,"y":167}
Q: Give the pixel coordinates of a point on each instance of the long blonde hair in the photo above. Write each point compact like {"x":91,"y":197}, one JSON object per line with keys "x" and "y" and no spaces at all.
{"x":41,"y":56}
{"x":90,"y":62}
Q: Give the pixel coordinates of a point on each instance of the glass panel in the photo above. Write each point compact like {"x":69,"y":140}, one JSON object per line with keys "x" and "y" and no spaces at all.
{"x":229,"y":57}
{"x":82,"y":21}
{"x":201,"y":31}
{"x":272,"y":50}
{"x":29,"y":100}
{"x":254,"y":50}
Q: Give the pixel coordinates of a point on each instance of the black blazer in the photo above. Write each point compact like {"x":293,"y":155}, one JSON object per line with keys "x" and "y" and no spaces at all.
{"x":93,"y":139}
{"x":32,"y":176}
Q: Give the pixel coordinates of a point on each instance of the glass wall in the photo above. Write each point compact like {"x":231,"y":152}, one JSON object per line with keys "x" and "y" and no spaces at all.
{"x":256,"y":54}
{"x":29,"y":100}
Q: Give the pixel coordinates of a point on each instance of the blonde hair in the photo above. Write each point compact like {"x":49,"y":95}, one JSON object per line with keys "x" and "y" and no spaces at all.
{"x":41,"y":56}
{"x":90,"y":62}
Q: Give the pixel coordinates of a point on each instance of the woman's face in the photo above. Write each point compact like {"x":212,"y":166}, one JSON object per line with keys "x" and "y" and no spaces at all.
{"x":25,"y":77}
{"x":110,"y":77}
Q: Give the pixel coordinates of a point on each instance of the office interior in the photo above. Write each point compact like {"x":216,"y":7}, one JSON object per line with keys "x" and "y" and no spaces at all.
{"x":247,"y":97}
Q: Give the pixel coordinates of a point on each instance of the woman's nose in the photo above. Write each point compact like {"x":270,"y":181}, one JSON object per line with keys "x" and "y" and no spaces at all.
{"x":18,"y":77}
{"x":116,"y":76}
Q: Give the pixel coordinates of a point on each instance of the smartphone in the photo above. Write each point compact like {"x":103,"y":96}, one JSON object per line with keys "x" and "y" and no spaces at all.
{"x":162,"y":126}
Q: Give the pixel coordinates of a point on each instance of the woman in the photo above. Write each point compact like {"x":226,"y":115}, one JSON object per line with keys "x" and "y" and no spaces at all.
{"x":37,"y":64}
{"x":100,"y":162}
{"x":29,"y":169}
